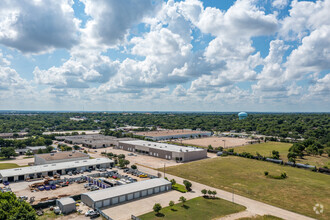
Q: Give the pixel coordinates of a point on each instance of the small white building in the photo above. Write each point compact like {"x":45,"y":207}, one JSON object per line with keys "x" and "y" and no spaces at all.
{"x":123,"y":193}
{"x":66,"y":205}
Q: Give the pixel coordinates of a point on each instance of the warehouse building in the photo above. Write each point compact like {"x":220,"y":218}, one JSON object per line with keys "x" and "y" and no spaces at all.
{"x":173,"y":134}
{"x":66,"y":205}
{"x":92,"y":141}
{"x":115,"y":195}
{"x":59,"y":157}
{"x":39,"y":171}
{"x":163,"y":150}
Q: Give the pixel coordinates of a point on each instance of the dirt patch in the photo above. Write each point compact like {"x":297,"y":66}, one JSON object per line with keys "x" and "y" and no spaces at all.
{"x":225,"y":142}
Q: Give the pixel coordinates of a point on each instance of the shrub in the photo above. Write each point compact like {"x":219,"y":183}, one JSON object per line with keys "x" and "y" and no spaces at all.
{"x":134,"y":167}
{"x":157,"y":207}
{"x":266,"y":173}
{"x":173,"y":182}
{"x":187,"y":184}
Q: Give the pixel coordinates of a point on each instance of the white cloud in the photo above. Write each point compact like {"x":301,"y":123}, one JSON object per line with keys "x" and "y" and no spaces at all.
{"x":111,"y":19}
{"x":33,"y":26}
{"x":280,"y":4}
{"x":313,"y":55}
{"x":305,"y":16}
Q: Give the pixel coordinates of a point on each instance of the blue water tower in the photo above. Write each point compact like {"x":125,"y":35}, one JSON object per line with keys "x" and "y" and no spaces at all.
{"x":242,"y":115}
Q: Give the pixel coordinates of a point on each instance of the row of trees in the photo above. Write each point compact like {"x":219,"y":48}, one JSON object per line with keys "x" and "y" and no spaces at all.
{"x":280,"y":125}
{"x":307,"y":147}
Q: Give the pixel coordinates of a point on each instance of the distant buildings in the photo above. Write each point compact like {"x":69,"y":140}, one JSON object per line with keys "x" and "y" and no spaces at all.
{"x":92,"y":141}
{"x":13,"y":135}
{"x":173,"y":134}
{"x":164,"y":151}
{"x":59,"y":157}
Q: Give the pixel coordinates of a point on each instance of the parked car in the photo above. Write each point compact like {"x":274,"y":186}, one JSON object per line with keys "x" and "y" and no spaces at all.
{"x":23,"y":197}
{"x":57,"y":210}
{"x":89,"y":212}
{"x":94,"y":215}
{"x":69,"y":173}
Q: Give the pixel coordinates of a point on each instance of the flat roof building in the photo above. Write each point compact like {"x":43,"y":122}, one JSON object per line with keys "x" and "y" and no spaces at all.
{"x":123,"y":193}
{"x":66,"y":205}
{"x":93,"y":141}
{"x":163,"y":150}
{"x":173,"y":134}
{"x":32,"y":172}
{"x":59,"y":157}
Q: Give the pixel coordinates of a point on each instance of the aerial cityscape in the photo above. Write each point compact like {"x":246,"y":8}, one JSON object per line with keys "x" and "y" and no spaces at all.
{"x":165,"y":109}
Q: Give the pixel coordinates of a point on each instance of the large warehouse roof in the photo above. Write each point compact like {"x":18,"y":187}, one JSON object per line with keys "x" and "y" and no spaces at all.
{"x":52,"y":167}
{"x":125,"y":189}
{"x":170,"y":132}
{"x":62,"y":155}
{"x":162,"y":146}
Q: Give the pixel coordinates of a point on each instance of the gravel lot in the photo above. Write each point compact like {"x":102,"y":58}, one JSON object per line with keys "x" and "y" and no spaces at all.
{"x":226,"y":142}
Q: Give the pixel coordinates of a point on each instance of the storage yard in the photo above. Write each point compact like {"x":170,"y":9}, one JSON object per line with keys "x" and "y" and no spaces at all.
{"x":226,"y":142}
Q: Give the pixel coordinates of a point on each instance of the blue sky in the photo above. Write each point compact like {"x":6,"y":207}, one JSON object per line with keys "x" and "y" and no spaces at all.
{"x":157,"y":55}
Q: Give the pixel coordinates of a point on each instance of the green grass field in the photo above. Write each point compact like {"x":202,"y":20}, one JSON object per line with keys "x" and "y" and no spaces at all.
{"x":8,"y":166}
{"x":179,"y":187}
{"x":299,"y":192}
{"x":197,"y":208}
{"x":265,"y":149}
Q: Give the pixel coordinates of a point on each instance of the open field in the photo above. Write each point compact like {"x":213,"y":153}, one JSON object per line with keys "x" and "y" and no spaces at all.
{"x":265,"y":149}
{"x":8,"y":166}
{"x":216,"y":142}
{"x":299,"y":192}
{"x":264,"y":217}
{"x":197,"y":208}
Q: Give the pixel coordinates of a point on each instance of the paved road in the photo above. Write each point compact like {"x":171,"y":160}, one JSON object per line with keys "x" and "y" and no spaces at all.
{"x":253,"y":206}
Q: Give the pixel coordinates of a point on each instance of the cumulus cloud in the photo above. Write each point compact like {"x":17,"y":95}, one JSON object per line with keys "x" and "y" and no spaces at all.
{"x":33,"y":26}
{"x":313,"y":55}
{"x":111,"y":19}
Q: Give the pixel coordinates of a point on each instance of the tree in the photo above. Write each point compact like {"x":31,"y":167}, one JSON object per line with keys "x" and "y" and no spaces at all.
{"x":8,"y":152}
{"x":209,"y":192}
{"x":171,"y":204}
{"x":276,"y":154}
{"x":48,"y":142}
{"x":49,"y":149}
{"x":183,"y":200}
{"x":173,"y":182}
{"x":187,"y":184}
{"x":134,"y":167}
{"x":210,"y":147}
{"x":40,"y":151}
{"x":214,"y":193}
{"x":76,"y":147}
{"x":85,"y":151}
{"x":157,"y":207}
{"x":13,"y":208}
{"x":204,"y":192}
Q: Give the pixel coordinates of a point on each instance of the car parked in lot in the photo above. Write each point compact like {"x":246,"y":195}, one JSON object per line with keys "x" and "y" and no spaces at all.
{"x":89,"y":212}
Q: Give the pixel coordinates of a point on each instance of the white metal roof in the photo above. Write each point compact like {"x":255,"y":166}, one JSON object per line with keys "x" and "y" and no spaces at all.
{"x":66,"y":201}
{"x":126,"y":189}
{"x":53,"y":167}
{"x":162,"y":146}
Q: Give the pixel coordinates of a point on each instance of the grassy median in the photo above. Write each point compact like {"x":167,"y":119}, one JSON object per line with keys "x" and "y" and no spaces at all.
{"x":299,"y":192}
{"x":197,"y":208}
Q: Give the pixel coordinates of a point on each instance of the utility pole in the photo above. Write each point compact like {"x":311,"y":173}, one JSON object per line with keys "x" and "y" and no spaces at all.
{"x":233,"y":195}
{"x":164,"y":170}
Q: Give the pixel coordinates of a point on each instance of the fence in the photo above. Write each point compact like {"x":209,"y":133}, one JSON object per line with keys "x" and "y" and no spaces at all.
{"x":133,"y":217}
{"x":103,"y":214}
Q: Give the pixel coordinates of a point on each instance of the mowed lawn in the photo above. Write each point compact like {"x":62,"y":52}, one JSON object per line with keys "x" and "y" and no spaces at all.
{"x":8,"y":166}
{"x":265,"y":149}
{"x":299,"y":192}
{"x":197,"y":208}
